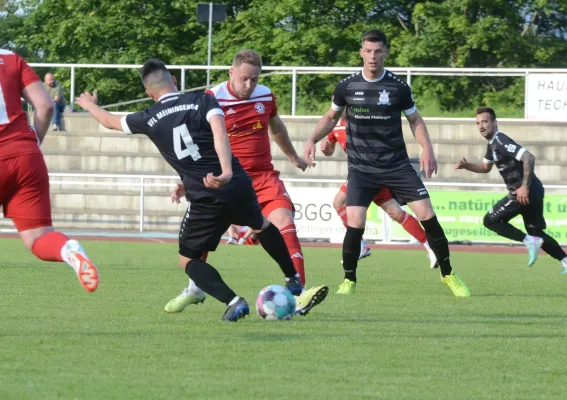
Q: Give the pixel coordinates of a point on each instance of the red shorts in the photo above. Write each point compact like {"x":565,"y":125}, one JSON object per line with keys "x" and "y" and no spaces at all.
{"x":24,"y":191}
{"x":271,"y":192}
{"x":383,"y":195}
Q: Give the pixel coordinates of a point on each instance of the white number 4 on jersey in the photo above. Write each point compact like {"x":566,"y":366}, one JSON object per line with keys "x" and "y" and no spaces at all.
{"x":181,"y":133}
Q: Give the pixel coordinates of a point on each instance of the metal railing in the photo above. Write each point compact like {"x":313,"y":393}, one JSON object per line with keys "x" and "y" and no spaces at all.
{"x":145,"y":181}
{"x":294,"y":71}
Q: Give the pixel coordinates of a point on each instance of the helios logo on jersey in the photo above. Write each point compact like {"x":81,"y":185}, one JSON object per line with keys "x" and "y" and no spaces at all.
{"x":259,"y":107}
{"x":359,"y":109}
{"x":384,"y":99}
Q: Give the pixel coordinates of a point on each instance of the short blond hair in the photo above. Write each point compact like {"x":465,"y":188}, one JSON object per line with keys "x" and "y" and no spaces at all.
{"x":247,"y":57}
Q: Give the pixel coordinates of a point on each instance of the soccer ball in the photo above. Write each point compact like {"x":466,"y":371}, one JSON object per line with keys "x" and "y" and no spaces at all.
{"x":275,"y":302}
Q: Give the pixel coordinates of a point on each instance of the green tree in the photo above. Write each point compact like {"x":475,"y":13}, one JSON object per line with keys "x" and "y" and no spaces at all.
{"x":112,"y":32}
{"x":476,"y":33}
{"x":12,"y":27}
{"x":435,"y":33}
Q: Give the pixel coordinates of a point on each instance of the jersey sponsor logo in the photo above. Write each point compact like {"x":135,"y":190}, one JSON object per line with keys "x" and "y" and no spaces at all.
{"x":259,"y":107}
{"x":379,"y":117}
{"x":359,"y":93}
{"x":240,"y":134}
{"x":230,"y":111}
{"x":384,"y":99}
{"x":358,"y":99}
{"x":359,"y":109}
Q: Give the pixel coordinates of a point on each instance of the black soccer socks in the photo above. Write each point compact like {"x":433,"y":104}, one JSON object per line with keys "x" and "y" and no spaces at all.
{"x":438,"y":243}
{"x":273,"y":242}
{"x":209,"y":280}
{"x":351,"y":251}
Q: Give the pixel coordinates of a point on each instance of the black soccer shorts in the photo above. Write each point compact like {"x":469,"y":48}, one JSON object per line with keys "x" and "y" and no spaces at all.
{"x":404,"y":183}
{"x":207,"y":219}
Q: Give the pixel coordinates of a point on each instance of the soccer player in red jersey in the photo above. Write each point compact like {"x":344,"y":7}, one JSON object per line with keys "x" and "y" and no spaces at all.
{"x":24,"y":182}
{"x":383,"y":199}
{"x":251,"y":117}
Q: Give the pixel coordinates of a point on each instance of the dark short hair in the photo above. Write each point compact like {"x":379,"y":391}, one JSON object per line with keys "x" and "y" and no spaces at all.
{"x":150,"y":67}
{"x":481,"y":110}
{"x":374,"y":36}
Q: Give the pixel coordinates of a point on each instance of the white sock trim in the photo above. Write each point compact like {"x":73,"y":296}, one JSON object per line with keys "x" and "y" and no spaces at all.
{"x":64,"y":254}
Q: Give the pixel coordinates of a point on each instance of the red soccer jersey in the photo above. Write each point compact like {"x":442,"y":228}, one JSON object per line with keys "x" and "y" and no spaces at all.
{"x":16,"y":136}
{"x":247,"y":125}
{"x":338,"y":134}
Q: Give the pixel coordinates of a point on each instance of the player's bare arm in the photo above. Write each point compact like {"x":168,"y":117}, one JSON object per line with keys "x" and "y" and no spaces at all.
{"x":428,"y":163}
{"x":523,"y":192}
{"x":478,"y":168}
{"x":222,"y":148}
{"x":279,"y":134}
{"x":88,"y":102}
{"x":328,"y":148}
{"x":325,"y":125}
{"x":36,"y":95}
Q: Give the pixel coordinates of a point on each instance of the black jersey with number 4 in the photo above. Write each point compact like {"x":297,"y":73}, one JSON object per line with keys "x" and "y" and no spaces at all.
{"x":375,"y":140}
{"x":507,"y":154}
{"x":178,"y":125}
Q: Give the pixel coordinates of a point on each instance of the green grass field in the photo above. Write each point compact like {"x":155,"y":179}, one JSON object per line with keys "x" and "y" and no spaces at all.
{"x":401,"y":336}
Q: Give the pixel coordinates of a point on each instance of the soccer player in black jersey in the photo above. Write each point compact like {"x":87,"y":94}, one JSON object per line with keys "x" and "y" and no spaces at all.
{"x":374,"y":99}
{"x":190,"y":133}
{"x":525,"y":191}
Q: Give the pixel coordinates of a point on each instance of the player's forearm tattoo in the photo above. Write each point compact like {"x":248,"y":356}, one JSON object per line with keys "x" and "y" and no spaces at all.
{"x":529,"y":162}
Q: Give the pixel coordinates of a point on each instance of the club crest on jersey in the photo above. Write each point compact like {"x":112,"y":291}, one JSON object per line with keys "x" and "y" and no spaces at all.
{"x":259,"y":107}
{"x":384,"y":98}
